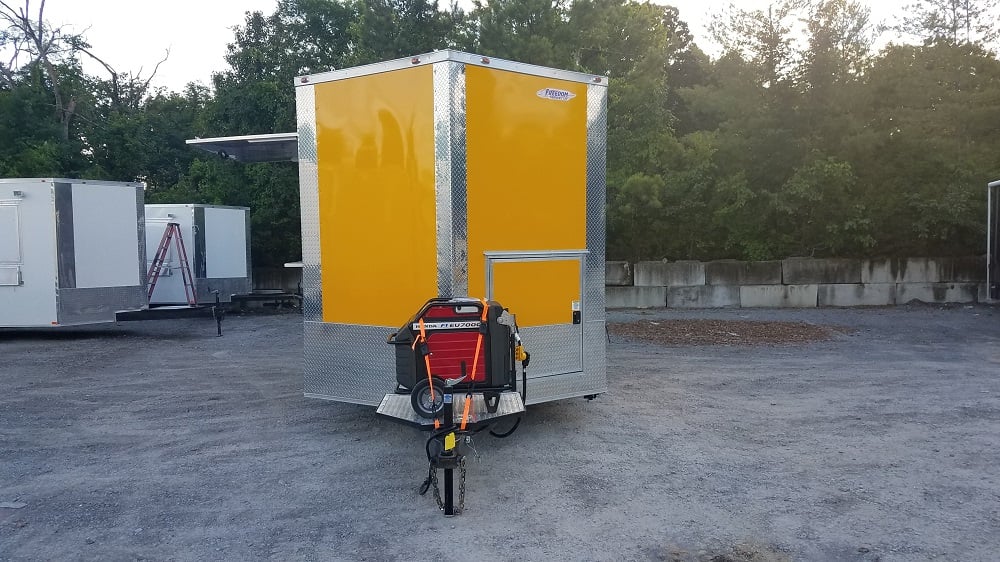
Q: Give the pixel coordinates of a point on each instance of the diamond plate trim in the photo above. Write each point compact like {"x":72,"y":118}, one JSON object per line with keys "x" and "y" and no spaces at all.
{"x":199,"y":264}
{"x":348,"y":362}
{"x":450,"y":179}
{"x":442,"y":176}
{"x":227,"y":287}
{"x":140,"y":216}
{"x":554,"y":349}
{"x":570,"y":385}
{"x":62,"y":196}
{"x":312,"y":295}
{"x":398,"y":406}
{"x":98,"y":304}
{"x":594,"y":335}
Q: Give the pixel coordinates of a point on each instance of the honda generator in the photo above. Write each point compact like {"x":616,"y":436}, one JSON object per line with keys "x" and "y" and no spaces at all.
{"x":456,"y":344}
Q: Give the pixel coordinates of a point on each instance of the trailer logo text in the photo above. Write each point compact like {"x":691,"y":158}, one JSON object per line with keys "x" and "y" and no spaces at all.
{"x":446,"y":325}
{"x":554,"y":94}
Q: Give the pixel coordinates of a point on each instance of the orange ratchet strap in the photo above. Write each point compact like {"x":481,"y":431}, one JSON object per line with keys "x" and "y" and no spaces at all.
{"x":475,"y":364}
{"x":427,"y":361}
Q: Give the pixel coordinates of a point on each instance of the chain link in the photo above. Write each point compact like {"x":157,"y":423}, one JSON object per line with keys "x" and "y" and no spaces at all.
{"x":437,"y":492}
{"x":432,"y":476}
{"x":461,"y":486}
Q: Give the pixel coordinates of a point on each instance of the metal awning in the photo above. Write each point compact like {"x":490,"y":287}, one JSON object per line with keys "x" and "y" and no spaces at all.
{"x":275,"y":147}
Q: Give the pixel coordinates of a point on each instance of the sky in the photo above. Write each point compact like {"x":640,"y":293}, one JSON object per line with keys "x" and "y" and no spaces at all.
{"x":134,"y":34}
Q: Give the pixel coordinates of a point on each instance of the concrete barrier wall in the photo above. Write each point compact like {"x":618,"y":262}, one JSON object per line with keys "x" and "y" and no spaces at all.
{"x":287,"y":279}
{"x":796,"y":282}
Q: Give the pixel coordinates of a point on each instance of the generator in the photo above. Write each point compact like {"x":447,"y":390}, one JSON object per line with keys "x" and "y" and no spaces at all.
{"x":456,"y":344}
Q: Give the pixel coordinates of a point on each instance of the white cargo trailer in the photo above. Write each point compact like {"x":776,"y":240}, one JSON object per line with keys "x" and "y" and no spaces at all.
{"x":217,"y":244}
{"x":71,"y":251}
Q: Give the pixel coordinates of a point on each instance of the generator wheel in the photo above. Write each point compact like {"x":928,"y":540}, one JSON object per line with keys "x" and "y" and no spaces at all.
{"x":420,"y":398}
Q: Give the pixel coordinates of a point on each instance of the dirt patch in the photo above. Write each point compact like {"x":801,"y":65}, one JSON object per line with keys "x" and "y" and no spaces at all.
{"x":724,"y":332}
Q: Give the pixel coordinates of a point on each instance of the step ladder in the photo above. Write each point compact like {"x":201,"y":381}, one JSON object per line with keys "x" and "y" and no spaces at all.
{"x":172,"y":234}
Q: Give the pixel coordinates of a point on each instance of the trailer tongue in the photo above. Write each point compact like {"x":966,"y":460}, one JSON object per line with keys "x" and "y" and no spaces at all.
{"x":456,"y":374}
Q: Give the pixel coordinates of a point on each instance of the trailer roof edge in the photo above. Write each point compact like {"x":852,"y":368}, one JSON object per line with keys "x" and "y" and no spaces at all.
{"x":456,"y":56}
{"x":71,"y":180}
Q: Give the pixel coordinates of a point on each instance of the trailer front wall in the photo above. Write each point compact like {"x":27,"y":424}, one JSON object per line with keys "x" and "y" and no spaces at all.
{"x":104,"y":225}
{"x":170,"y":284}
{"x":405,"y":195}
{"x":226,"y":243}
{"x":375,"y":143}
{"x":217,"y":243}
{"x":99,"y":234}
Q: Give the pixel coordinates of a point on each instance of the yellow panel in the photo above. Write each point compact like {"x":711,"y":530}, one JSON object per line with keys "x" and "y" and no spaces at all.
{"x":375,"y":142}
{"x":527,"y":166}
{"x":540,"y":293}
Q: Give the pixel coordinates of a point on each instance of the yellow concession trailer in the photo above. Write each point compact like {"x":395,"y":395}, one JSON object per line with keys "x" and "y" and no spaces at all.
{"x":450,"y":175}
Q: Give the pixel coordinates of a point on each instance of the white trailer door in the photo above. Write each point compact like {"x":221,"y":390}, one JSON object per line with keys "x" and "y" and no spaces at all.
{"x":10,"y":245}
{"x":27,"y":256}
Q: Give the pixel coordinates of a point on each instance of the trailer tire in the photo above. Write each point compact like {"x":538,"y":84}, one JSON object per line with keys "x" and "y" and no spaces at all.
{"x":420,"y":399}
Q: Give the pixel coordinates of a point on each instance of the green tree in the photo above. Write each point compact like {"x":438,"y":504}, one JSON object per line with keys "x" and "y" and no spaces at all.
{"x":932,"y":145}
{"x":951,"y":21}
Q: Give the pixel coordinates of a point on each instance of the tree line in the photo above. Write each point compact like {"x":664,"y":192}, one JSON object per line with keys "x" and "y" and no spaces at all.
{"x":800,"y":138}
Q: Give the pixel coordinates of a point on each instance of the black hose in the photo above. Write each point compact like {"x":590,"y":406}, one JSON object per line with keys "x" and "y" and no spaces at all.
{"x":435,"y":435}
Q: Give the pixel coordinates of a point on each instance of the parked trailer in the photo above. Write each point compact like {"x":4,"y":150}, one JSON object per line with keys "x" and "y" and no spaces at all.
{"x":447,"y":175}
{"x":217,"y":243}
{"x":70,"y":251}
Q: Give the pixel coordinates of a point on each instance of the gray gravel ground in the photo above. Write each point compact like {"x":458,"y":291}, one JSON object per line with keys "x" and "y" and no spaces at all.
{"x":156,"y":440}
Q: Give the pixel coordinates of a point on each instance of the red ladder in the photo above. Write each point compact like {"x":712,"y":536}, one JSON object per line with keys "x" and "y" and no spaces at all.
{"x":172,"y":232}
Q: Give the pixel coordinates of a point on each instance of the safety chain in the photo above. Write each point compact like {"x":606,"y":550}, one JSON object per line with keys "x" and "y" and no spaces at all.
{"x":461,"y":486}
{"x":432,"y":481}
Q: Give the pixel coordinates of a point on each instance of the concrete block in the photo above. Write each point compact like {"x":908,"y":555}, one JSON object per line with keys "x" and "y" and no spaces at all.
{"x":733,"y":272}
{"x":924,"y":270}
{"x":880,"y":270}
{"x":762,"y":273}
{"x":617,"y":273}
{"x":855,"y":294}
{"x":703,"y":296}
{"x":635,"y":297}
{"x":969,"y":269}
{"x":669,"y":274}
{"x":802,"y":271}
{"x":984,"y":293}
{"x":775,"y":296}
{"x":937,"y":292}
{"x":918,"y":270}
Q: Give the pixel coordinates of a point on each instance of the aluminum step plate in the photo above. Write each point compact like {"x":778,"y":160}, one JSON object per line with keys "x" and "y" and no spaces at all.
{"x":398,"y":406}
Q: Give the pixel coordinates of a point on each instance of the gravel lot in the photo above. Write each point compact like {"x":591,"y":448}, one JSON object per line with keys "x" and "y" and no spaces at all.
{"x":157,"y":440}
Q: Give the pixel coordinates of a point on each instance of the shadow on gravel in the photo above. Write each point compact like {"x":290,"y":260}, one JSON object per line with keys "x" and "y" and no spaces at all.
{"x":742,"y":552}
{"x":62,"y":334}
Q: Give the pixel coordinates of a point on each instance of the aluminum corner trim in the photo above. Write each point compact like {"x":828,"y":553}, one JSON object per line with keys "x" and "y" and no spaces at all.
{"x":305,"y":110}
{"x":450,"y":179}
